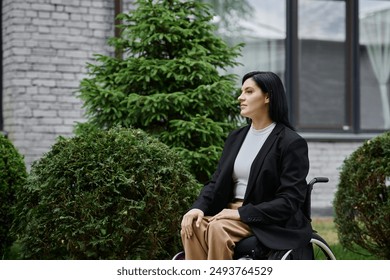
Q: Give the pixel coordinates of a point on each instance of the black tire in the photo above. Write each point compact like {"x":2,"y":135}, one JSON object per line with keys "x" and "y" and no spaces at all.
{"x":321,"y":250}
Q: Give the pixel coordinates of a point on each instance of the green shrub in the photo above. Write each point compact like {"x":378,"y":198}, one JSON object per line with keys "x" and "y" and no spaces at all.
{"x":12,"y":176}
{"x":169,"y":81}
{"x":116,"y":194}
{"x":362,"y":201}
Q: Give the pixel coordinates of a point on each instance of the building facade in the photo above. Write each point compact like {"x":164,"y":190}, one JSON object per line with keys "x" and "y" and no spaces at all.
{"x":333,"y":56}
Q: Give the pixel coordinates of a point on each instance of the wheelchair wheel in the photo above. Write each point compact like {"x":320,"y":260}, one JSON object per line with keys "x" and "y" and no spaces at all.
{"x":179,"y":256}
{"x":321,"y":250}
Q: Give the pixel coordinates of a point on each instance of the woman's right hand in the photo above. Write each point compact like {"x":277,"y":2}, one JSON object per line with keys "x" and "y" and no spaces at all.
{"x":187,"y":221}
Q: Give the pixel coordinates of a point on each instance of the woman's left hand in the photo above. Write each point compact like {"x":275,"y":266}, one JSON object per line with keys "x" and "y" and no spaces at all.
{"x":226,"y":214}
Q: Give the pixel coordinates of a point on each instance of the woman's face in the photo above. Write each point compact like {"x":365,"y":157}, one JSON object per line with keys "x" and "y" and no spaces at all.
{"x":253,"y":101}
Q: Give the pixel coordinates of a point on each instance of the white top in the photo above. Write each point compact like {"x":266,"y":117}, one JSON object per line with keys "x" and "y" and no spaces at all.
{"x":251,"y":146}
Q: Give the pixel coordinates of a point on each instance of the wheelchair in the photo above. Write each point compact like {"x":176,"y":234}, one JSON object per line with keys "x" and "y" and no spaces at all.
{"x":251,"y":249}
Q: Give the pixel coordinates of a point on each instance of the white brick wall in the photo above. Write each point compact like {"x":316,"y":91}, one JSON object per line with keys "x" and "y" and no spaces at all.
{"x":326,"y":159}
{"x":46,"y":46}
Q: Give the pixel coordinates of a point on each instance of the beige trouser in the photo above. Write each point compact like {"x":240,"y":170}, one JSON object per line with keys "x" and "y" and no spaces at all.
{"x":215,"y":240}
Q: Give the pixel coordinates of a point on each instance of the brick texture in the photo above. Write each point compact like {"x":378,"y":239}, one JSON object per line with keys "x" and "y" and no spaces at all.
{"x":326,"y":159}
{"x":47,"y":44}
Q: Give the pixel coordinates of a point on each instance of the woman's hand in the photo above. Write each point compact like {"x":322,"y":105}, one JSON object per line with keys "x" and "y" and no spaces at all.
{"x":187,"y":221}
{"x":226,"y":214}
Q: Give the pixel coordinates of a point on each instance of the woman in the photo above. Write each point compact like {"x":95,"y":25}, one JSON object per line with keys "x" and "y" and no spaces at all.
{"x":259,"y":186}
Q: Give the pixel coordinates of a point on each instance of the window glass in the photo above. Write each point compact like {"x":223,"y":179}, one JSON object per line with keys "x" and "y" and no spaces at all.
{"x":261,"y":25}
{"x":374,"y":28}
{"x":321,"y":93}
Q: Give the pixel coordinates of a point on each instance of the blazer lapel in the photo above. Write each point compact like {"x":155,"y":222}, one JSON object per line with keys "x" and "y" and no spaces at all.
{"x":259,"y":159}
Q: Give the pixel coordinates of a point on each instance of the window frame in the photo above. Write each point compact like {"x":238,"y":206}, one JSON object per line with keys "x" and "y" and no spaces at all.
{"x":352,"y":73}
{"x":351,"y":69}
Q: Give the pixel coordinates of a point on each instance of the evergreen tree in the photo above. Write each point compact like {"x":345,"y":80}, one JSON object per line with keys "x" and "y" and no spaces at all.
{"x":168,"y":82}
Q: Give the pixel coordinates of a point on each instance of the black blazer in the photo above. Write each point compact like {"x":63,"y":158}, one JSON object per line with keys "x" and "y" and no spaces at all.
{"x":276,"y":188}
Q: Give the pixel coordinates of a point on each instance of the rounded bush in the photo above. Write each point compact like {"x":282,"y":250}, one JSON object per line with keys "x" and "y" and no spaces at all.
{"x":117,"y":194}
{"x":12,"y":176}
{"x":362,"y":201}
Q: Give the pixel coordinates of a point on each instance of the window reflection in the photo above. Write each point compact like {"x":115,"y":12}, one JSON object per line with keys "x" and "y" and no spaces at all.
{"x":261,"y":25}
{"x":321,"y":34}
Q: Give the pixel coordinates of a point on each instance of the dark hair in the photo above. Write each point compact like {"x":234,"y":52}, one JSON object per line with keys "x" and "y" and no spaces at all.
{"x":271,"y":84}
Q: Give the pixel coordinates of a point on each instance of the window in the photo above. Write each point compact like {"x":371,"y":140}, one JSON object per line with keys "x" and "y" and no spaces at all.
{"x":261,"y":25}
{"x":332,"y":55}
{"x":321,"y":59}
